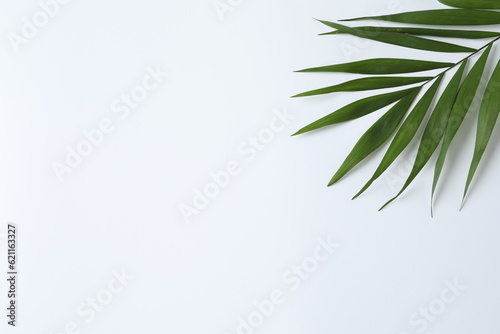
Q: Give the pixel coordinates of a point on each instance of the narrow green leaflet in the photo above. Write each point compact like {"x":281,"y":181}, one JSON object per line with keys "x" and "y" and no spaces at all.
{"x":366,"y":84}
{"x":474,"y":4}
{"x":463,"y":102}
{"x":488,"y":115}
{"x":376,"y":135}
{"x":404,"y":40}
{"x":435,"y":128}
{"x":357,"y":109}
{"x":405,"y":133}
{"x":470,"y":34}
{"x":447,"y":17}
{"x":382,"y":66}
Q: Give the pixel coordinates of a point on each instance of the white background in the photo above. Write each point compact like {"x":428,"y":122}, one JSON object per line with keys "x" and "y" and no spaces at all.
{"x":119,"y":209}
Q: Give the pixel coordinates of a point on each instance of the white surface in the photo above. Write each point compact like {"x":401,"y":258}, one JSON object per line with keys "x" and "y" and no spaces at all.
{"x":120,"y":207}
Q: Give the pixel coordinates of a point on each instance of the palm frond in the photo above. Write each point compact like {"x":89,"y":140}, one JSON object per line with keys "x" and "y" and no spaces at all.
{"x":446,"y":114}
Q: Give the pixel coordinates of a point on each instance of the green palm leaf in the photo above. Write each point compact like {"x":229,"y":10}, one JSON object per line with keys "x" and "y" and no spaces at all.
{"x":470,"y":34}
{"x":488,"y":115}
{"x":446,"y":17}
{"x":453,"y":103}
{"x":382,"y":66}
{"x":475,"y":4}
{"x":405,"y":133}
{"x":356,"y":109}
{"x":435,"y":129}
{"x":462,"y":105}
{"x":376,"y":135}
{"x":405,"y":40}
{"x":366,"y":84}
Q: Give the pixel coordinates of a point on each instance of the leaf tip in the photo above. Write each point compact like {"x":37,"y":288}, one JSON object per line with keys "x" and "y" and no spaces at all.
{"x":386,"y":204}
{"x":360,"y":192}
{"x":432,"y":204}
{"x":462,"y":204}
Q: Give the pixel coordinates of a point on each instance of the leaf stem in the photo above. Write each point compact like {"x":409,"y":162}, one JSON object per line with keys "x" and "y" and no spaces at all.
{"x":462,"y":60}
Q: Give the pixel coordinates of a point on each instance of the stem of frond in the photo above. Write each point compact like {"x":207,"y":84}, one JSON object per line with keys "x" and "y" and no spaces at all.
{"x":462,"y":60}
